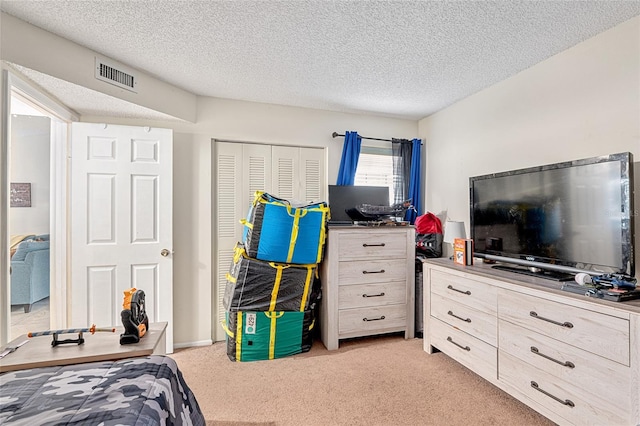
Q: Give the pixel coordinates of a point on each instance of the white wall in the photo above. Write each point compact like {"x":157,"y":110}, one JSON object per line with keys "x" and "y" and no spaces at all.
{"x":29,"y":162}
{"x":580,"y":103}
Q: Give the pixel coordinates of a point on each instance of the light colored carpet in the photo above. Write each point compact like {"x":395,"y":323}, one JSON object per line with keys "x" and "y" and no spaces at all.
{"x":373,"y":381}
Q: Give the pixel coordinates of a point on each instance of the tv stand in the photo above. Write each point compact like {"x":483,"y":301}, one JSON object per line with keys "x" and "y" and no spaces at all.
{"x":572,"y":358}
{"x":537,"y":272}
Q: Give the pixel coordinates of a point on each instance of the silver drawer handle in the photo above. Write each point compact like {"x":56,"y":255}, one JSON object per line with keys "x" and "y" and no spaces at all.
{"x":373,"y":295}
{"x":565,"y":363}
{"x":460,"y":318}
{"x":381,"y":271}
{"x":373,"y":245}
{"x":561,"y":324}
{"x":466,"y":348}
{"x":567,"y":402}
{"x":373,"y":319}
{"x":450,"y":287}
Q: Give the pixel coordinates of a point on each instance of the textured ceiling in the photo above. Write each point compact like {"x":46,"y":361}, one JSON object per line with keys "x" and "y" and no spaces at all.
{"x":405,"y":59}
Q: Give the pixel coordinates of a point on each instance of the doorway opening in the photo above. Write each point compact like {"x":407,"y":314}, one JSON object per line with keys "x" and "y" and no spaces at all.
{"x":29,"y":114}
{"x":29,"y":217}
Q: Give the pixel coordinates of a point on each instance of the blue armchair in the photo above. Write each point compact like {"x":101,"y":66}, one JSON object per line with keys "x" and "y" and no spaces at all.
{"x":30,"y":272}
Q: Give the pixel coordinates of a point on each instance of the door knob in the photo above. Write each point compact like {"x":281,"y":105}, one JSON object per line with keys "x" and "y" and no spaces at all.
{"x":164,"y":253}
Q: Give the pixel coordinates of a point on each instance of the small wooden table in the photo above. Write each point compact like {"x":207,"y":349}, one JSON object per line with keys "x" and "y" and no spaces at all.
{"x":101,"y":346}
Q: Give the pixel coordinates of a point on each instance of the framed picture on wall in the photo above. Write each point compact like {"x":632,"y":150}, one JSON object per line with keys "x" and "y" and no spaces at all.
{"x":20,"y":195}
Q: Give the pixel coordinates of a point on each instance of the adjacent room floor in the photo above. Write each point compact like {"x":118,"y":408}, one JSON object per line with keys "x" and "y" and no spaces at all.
{"x":36,"y":320}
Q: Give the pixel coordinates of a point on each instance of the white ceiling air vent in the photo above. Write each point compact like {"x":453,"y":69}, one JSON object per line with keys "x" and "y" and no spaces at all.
{"x":116,"y":74}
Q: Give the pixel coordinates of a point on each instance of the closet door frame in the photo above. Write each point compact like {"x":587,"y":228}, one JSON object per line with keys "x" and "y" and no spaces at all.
{"x":240,"y":169}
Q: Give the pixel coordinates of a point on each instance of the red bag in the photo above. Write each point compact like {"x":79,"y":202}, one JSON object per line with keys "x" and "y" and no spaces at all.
{"x":428,"y":224}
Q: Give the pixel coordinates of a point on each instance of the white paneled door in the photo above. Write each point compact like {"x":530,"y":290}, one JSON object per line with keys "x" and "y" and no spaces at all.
{"x":121,"y":223}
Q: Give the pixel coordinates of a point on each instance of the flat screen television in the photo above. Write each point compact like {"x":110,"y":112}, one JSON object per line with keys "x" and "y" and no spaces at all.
{"x":556,"y":219}
{"x":345,"y":197}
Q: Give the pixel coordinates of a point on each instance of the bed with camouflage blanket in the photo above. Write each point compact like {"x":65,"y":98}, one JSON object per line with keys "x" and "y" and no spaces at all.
{"x":134,"y":391}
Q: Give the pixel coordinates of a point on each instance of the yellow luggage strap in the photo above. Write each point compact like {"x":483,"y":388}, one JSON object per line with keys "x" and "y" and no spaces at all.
{"x":294,"y":232}
{"x":307,"y":286}
{"x":272,"y":331}
{"x":258,"y":198}
{"x":223,"y":323}
{"x":323,"y":233}
{"x":276,"y":284}
{"x":297,"y":215}
{"x":238,"y":253}
{"x":246,"y":223}
{"x":238,"y":336}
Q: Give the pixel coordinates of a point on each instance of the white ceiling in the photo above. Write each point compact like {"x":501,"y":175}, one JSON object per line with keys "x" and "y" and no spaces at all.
{"x":404,"y":59}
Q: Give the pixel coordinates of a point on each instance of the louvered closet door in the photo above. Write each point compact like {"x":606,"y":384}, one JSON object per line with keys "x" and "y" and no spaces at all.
{"x":287,"y":172}
{"x":229,"y":210}
{"x":256,"y":172}
{"x":285,"y":162}
{"x":298,"y":174}
{"x":312,"y":182}
{"x":241,"y":170}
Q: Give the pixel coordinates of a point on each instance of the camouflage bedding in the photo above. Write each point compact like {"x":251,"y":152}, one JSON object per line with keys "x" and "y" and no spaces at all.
{"x":135,"y":391}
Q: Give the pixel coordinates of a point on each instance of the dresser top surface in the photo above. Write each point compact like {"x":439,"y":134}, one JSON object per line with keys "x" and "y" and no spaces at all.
{"x":531,"y":282}
{"x":368,"y":227}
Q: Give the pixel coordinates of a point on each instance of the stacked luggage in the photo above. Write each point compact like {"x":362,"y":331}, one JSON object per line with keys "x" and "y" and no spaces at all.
{"x":273,"y":285}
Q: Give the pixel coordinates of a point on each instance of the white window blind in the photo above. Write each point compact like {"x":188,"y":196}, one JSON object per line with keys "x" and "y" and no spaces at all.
{"x":375,"y":168}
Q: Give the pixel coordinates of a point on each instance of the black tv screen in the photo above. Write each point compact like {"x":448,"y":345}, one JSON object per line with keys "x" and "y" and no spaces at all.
{"x":574,"y":216}
{"x":345,"y":197}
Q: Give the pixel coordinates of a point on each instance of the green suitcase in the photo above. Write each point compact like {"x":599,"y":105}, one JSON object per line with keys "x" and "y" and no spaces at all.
{"x":255,"y":336}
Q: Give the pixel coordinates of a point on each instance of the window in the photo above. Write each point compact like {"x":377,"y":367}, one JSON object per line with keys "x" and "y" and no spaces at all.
{"x":375,"y":168}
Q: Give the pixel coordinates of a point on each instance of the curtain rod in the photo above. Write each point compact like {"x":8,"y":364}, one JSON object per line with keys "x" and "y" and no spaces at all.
{"x":336,"y":134}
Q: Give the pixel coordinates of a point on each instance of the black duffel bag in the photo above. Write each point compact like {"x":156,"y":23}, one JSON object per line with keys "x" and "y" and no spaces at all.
{"x":429,"y":245}
{"x":429,"y":235}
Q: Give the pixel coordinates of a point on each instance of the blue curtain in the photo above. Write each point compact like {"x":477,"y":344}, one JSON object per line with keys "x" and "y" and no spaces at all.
{"x":415,"y":191}
{"x":349,"y":161}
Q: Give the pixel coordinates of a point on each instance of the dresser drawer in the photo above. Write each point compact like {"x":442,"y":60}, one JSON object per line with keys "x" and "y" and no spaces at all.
{"x":480,"y":296}
{"x":479,"y":324}
{"x":372,"y":320}
{"x":364,"y":295}
{"x":473,"y":353}
{"x":372,"y":271}
{"x":601,"y":334}
{"x":578,"y":406}
{"x":372,"y":244}
{"x":567,"y":363}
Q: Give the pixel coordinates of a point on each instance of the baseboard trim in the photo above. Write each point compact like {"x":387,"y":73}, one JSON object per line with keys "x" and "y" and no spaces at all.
{"x":208,"y":342}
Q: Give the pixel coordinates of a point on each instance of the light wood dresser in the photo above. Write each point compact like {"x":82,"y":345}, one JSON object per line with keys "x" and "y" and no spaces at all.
{"x":367,"y":282}
{"x":574,"y":359}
